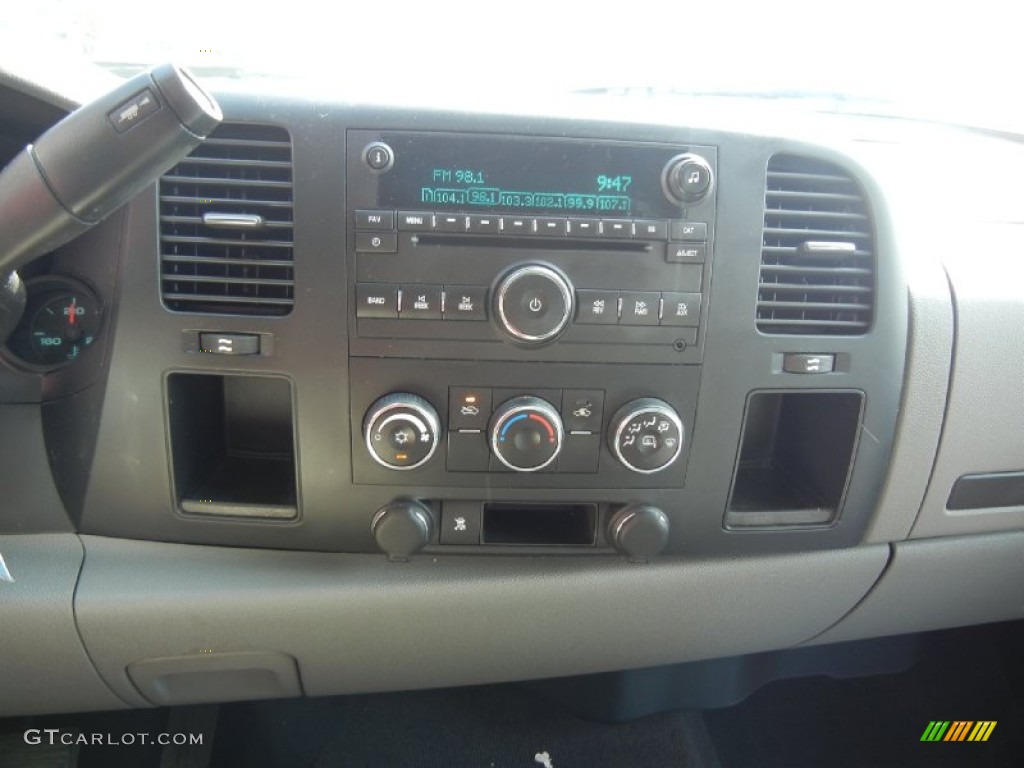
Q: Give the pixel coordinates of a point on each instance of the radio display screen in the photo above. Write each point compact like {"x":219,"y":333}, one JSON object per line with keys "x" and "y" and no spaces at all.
{"x":563,"y":177}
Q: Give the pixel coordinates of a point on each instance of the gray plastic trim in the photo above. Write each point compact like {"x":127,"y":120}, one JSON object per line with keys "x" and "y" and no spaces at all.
{"x":359,"y":623}
{"x":941,"y":583}
{"x":29,"y":502}
{"x":929,"y":358}
{"x":44,"y":667}
{"x":215,"y":677}
{"x":985,"y":413}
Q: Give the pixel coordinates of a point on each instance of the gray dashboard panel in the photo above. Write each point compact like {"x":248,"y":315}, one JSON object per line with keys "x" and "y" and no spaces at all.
{"x":45,"y":668}
{"x":361,"y":623}
{"x":985,"y":414}
{"x":929,"y":350}
{"x":941,"y":583}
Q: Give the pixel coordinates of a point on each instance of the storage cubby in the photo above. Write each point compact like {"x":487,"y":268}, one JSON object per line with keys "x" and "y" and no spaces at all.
{"x":232,"y":445}
{"x":795,"y":458}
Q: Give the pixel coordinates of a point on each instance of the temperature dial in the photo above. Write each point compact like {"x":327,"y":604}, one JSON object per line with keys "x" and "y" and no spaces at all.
{"x":401,"y":431}
{"x":646,"y":435}
{"x":526,"y":433}
{"x":61,"y":320}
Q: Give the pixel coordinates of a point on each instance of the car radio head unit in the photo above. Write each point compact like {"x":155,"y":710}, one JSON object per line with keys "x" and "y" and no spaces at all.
{"x":483,"y":247}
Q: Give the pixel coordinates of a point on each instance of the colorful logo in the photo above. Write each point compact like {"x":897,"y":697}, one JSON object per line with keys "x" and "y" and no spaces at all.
{"x":958,"y":730}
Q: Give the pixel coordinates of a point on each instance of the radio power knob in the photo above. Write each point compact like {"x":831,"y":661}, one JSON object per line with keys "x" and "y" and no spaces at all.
{"x":533,"y":304}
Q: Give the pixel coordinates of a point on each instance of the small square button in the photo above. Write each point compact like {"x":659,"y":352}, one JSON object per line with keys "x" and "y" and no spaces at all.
{"x":420,"y":302}
{"x":582,"y":410}
{"x":581,"y":453}
{"x":640,"y":308}
{"x":681,"y":309}
{"x":460,"y":522}
{"x":469,"y":407}
{"x":467,"y":452}
{"x":597,"y":307}
{"x":465,"y":302}
{"x":378,"y":300}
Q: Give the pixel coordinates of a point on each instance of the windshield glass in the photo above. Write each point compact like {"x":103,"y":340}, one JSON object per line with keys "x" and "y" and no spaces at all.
{"x":872,"y":57}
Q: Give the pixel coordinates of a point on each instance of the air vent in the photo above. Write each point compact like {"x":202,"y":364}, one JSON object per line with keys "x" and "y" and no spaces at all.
{"x":226,"y":224}
{"x":817,"y":255}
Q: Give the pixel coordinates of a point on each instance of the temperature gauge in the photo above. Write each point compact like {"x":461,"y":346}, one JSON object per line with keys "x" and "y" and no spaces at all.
{"x":61,"y":320}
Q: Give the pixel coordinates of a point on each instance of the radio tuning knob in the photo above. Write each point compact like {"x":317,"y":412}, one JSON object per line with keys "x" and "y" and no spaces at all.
{"x":646,"y":435}
{"x":533,"y":304}
{"x":526,"y":433}
{"x":687,"y":178}
{"x":401,"y":431}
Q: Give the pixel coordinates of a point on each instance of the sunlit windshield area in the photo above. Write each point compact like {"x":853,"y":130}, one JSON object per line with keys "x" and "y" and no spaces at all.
{"x":933,"y":62}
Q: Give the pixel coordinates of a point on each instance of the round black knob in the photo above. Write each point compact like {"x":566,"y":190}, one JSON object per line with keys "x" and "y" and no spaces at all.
{"x":639,"y":531}
{"x":687,"y":178}
{"x":378,"y":156}
{"x":402,"y":528}
{"x":401,"y":431}
{"x":646,"y":435}
{"x":526,"y":433}
{"x":533,"y":304}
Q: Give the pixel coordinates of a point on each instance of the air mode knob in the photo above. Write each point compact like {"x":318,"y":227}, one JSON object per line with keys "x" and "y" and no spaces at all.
{"x":646,"y":435}
{"x":401,"y":431}
{"x":526,"y":433}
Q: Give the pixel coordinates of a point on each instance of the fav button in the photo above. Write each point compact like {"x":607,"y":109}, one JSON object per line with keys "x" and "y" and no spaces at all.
{"x":375,"y":220}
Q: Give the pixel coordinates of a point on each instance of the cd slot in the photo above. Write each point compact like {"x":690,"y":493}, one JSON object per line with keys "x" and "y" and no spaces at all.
{"x":532,"y":243}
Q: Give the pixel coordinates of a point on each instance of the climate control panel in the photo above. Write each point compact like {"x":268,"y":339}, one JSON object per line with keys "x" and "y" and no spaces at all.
{"x":459,"y":425}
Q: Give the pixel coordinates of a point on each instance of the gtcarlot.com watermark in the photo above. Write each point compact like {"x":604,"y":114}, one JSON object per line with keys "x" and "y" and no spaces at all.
{"x":55,"y":736}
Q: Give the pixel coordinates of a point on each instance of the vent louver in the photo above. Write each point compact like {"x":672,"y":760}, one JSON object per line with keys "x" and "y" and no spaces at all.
{"x":817,"y":256}
{"x":226,"y":224}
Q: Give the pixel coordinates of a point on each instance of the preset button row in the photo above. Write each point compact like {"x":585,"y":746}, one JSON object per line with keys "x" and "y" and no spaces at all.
{"x":377,"y":227}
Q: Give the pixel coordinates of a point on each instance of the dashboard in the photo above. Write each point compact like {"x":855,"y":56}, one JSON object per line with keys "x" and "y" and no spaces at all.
{"x":351,"y":386}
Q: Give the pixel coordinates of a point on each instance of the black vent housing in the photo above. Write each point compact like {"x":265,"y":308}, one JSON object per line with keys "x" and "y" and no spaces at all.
{"x":817,"y":255}
{"x":237,"y":260}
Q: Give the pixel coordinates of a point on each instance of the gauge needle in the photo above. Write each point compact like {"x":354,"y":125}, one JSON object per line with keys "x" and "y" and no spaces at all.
{"x":71,"y":312}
